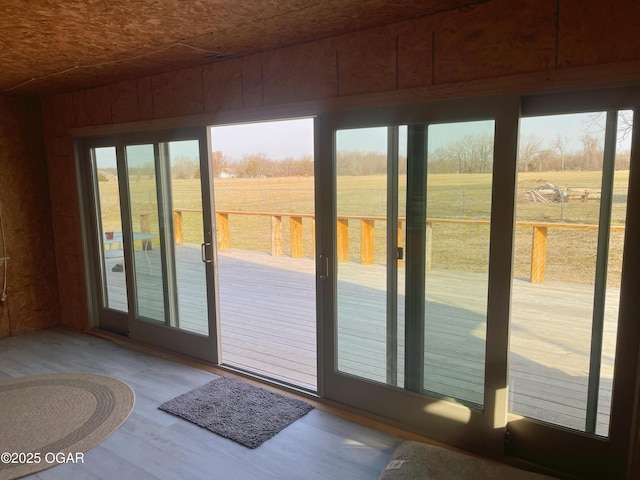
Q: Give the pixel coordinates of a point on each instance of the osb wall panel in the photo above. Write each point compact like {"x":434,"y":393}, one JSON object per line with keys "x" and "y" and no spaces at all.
{"x":495,"y":39}
{"x":490,"y":40}
{"x":145,"y":98}
{"x":252,"y":94}
{"x":597,"y":32}
{"x":311,"y":73}
{"x":65,"y":205}
{"x":61,"y":117}
{"x":222,"y":86}
{"x":92,"y":106}
{"x":415,"y":53}
{"x":123,"y":97}
{"x":32,"y":301}
{"x":367,"y":61}
{"x":178,"y":93}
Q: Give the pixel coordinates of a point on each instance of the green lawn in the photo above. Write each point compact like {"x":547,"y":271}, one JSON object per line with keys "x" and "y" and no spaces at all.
{"x":570,"y":254}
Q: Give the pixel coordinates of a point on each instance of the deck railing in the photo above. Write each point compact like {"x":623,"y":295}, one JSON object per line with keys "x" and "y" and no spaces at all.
{"x":367,"y":235}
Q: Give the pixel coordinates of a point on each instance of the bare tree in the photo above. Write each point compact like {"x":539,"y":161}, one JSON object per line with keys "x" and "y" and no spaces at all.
{"x":590,"y":147}
{"x":183,"y":167}
{"x":219,"y":163}
{"x":529,"y":152}
{"x":559,"y":146}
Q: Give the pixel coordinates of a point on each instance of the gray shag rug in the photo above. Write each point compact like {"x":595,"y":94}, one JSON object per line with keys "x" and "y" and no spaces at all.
{"x":238,"y":411}
{"x":413,"y":461}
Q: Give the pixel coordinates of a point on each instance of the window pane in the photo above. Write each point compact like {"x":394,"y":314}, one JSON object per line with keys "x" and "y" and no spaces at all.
{"x":460,"y":162}
{"x":147,"y":259}
{"x":110,"y":228}
{"x":361,"y":167}
{"x":559,"y":204}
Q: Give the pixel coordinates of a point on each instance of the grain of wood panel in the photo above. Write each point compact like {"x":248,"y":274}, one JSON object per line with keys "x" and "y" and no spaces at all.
{"x":67,"y":234}
{"x":493,"y":39}
{"x":222,"y":231}
{"x":367,"y":249}
{"x":252,"y":93}
{"x":62,"y":185}
{"x":73,"y":303}
{"x":124,"y":101}
{"x":26,"y":214}
{"x":295,"y":228}
{"x":177,"y":93}
{"x":62,"y":149}
{"x":58,"y":115}
{"x":276,"y":236}
{"x":303,"y":72}
{"x":145,"y":98}
{"x":222,"y":86}
{"x":92,"y":106}
{"x":590,"y":33}
{"x":367,"y":61}
{"x":5,"y":321}
{"x":342,"y":240}
{"x":415,"y":53}
{"x":538,"y":254}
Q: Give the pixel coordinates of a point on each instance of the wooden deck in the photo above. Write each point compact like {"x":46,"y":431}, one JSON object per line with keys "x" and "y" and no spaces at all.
{"x":268,"y":326}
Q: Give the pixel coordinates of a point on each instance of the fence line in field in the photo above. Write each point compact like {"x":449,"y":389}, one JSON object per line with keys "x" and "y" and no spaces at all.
{"x":367,"y":238}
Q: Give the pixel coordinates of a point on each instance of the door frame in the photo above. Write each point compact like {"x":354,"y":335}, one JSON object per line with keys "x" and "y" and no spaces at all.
{"x":455,"y":424}
{"x":558,"y":447}
{"x":195,"y":345}
{"x":484,"y":431}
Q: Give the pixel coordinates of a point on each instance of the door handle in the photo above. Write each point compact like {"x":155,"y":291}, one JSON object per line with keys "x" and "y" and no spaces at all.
{"x":203,"y":252}
{"x":324,"y":267}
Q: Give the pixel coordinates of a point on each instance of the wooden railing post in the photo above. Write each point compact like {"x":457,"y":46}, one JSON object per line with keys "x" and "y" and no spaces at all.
{"x":295,"y":227}
{"x":145,"y":227}
{"x":429,"y":246}
{"x":366,"y":242}
{"x":177,"y":227}
{"x":276,"y":236}
{"x":313,"y":236}
{"x":222,"y":231}
{"x":343,"y":239}
{"x":538,"y":254}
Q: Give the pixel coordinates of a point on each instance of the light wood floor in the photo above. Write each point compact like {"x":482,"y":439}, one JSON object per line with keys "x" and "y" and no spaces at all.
{"x":268,"y":326}
{"x":152,"y":444}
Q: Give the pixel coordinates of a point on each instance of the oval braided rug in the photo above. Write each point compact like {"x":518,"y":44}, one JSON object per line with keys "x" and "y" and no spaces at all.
{"x":50,"y":416}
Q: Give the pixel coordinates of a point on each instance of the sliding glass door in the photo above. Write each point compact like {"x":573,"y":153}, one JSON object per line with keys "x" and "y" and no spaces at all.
{"x":567,"y":357}
{"x":475,"y":279}
{"x":407,"y":288}
{"x":152,"y":239}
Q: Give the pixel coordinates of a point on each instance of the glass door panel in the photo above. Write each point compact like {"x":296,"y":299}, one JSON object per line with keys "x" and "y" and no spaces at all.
{"x":458,"y":217}
{"x":154,"y":252}
{"x":146,"y":239}
{"x":363,"y":320}
{"x":571,"y":207}
{"x":114,"y":288}
{"x":417,"y":322}
{"x":188,"y":235}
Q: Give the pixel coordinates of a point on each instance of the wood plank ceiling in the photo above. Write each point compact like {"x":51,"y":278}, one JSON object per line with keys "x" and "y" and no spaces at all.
{"x":50,"y":46}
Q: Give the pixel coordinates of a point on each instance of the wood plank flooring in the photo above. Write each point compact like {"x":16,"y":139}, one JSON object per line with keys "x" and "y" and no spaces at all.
{"x":153,"y":444}
{"x":268,"y":326}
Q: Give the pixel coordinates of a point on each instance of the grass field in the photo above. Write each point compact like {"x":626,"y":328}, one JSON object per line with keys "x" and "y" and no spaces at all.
{"x":570,"y":253}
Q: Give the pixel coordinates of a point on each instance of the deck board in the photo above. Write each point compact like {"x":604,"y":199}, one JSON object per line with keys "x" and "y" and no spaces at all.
{"x":268,"y":325}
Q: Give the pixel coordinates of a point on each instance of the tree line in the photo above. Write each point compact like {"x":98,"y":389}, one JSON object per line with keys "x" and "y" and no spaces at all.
{"x":469,"y":155}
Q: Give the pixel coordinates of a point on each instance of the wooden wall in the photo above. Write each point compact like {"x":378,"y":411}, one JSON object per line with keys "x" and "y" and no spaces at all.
{"x":488,"y":47}
{"x":32,"y":294}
